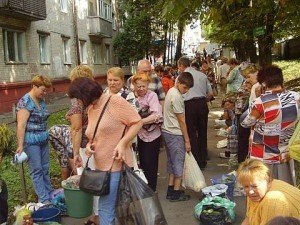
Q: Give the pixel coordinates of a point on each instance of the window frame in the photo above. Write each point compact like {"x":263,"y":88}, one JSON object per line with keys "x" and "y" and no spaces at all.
{"x":64,"y":6}
{"x":19,"y":46}
{"x":105,"y":10}
{"x":98,"y":45}
{"x":107,"y":54}
{"x":83,"y":51}
{"x":47,"y":51}
{"x":66,"y":49}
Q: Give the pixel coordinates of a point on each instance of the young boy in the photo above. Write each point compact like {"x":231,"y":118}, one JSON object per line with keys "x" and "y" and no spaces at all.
{"x":175,"y":135}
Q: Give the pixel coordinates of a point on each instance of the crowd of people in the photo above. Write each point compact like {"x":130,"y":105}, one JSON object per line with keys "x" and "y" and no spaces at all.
{"x":168,"y":104}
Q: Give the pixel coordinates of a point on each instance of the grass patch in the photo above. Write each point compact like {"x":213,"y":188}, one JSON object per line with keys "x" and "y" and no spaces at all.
{"x":11,"y":173}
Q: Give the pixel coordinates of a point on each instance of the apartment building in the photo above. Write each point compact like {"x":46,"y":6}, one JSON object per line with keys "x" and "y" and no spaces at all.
{"x":51,"y":37}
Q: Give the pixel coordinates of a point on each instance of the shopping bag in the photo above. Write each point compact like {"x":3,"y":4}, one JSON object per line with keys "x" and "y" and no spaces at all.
{"x":136,"y":168}
{"x":192,"y":176}
{"x":217,"y":202}
{"x":214,"y":215}
{"x":294,"y":144}
{"x":137,"y":204}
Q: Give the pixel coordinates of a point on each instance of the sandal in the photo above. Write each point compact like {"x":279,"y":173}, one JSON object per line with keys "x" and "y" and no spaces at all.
{"x":90,"y":222}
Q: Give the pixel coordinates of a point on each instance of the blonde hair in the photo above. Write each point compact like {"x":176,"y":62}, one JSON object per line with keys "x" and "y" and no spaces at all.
{"x":249,"y":69}
{"x":253,"y":168}
{"x":40,"y":80}
{"x":81,"y":71}
{"x":117,"y":72}
{"x":141,"y":76}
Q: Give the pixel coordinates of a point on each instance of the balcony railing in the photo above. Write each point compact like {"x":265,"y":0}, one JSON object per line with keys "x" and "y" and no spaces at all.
{"x":32,"y":10}
{"x":99,"y":27}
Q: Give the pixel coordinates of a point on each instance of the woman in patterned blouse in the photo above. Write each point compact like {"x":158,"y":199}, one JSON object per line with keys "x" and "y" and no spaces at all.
{"x":272,"y":117}
{"x":32,"y":115}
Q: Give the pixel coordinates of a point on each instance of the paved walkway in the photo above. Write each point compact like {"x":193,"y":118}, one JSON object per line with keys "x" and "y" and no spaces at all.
{"x":178,"y":213}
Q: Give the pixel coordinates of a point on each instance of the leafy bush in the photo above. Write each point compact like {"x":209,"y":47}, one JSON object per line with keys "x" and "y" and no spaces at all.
{"x":6,"y":140}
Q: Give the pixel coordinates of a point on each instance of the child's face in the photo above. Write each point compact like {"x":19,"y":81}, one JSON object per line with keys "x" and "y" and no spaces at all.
{"x":183,"y":88}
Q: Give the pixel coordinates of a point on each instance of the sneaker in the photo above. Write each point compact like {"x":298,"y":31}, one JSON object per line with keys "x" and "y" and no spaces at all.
{"x":170,"y":194}
{"x":222,"y":155}
{"x":180,"y":197}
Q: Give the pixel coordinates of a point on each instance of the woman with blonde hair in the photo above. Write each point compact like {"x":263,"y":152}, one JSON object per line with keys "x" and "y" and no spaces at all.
{"x":32,"y":115}
{"x":266,"y":197}
{"x":149,"y":136}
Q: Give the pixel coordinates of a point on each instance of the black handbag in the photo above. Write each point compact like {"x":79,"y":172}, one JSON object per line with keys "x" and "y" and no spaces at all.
{"x":95,"y":182}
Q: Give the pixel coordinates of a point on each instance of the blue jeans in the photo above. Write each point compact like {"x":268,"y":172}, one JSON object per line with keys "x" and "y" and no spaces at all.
{"x":107,"y":204}
{"x":38,"y":160}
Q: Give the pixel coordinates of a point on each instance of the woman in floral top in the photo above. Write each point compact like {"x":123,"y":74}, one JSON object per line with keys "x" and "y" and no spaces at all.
{"x":32,"y":115}
{"x":272,"y":117}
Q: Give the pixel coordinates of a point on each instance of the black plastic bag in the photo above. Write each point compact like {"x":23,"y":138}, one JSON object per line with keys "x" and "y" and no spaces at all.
{"x":137,"y":204}
{"x":214,"y":215}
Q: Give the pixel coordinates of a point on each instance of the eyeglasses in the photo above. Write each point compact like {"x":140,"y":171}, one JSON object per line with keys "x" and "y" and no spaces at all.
{"x":43,"y":89}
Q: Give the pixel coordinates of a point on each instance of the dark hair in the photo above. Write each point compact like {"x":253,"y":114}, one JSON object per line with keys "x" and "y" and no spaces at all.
{"x":271,"y":75}
{"x":184,"y":61}
{"x":187,"y":79}
{"x":195,"y":64}
{"x":85,"y":89}
{"x":280,"y":220}
{"x":233,"y":61}
{"x":158,"y":68}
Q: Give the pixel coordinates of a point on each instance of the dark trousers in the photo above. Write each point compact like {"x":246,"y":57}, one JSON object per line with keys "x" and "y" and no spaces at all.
{"x":148,"y":155}
{"x":3,"y":202}
{"x":243,"y":141}
{"x":196,"y":118}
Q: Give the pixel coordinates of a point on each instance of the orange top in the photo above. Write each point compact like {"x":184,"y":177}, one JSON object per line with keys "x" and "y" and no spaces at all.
{"x":118,"y":114}
{"x":167,"y":83}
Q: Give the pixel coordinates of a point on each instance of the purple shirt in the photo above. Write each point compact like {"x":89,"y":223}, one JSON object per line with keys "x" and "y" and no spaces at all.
{"x":150,"y":99}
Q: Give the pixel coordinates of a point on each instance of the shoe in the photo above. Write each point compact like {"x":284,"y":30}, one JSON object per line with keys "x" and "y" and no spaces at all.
{"x":222,"y":155}
{"x":170,"y":194}
{"x":180,"y":197}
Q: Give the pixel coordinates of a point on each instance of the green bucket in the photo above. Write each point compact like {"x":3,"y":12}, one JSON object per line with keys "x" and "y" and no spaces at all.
{"x":79,"y":204}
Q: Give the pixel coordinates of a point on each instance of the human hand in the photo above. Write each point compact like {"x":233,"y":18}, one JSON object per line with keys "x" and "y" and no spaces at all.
{"x":187,"y":145}
{"x":119,"y":152}
{"x":78,"y":161}
{"x":19,"y":149}
{"x":89,"y":150}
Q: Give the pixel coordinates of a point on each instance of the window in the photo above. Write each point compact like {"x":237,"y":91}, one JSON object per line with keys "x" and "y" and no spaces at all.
{"x":92,"y":8}
{"x":64,"y":5}
{"x":96,"y":53}
{"x":114,"y":22}
{"x":66,"y":49}
{"x":14,"y":46}
{"x":44,"y":42}
{"x":107,"y":54}
{"x":82,"y":51}
{"x":105,"y":10}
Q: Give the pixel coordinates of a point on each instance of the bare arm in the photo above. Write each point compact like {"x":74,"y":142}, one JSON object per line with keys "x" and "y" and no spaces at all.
{"x":182,"y":124}
{"x":76,"y":134}
{"x":124,"y":142}
{"x":245,"y":221}
{"x":22,"y":118}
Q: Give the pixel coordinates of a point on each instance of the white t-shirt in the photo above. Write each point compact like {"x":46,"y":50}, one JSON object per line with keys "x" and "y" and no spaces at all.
{"x":174,"y":104}
{"x":224,"y":70}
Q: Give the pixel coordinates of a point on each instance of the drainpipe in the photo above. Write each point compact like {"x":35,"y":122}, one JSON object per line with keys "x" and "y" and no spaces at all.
{"x":75,"y":30}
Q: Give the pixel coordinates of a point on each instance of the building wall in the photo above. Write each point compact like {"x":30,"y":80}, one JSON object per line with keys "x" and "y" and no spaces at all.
{"x":15,"y":77}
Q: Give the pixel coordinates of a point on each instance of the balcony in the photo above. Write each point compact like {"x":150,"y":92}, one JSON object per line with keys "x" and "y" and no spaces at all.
{"x":32,"y":10}
{"x":99,"y":27}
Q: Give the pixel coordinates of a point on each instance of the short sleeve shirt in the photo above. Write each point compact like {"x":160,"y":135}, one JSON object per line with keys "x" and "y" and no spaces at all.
{"x":174,"y":104}
{"x":36,"y":129}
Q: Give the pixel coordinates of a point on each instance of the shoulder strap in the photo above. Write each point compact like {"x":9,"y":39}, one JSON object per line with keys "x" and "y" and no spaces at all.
{"x":100,"y":117}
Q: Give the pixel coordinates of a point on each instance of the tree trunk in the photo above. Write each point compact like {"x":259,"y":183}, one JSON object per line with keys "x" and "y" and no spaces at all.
{"x":240,"y":50}
{"x":179,"y":40}
{"x":265,"y":43}
{"x":251,"y":50}
{"x":165,"y":42}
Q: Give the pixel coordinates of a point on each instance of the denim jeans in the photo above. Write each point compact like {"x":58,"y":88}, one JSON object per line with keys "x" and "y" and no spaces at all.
{"x":38,"y":160}
{"x":107,"y":204}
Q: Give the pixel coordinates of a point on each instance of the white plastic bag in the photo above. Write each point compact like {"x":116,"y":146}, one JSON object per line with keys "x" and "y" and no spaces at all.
{"x":136,"y":168}
{"x":192,"y":176}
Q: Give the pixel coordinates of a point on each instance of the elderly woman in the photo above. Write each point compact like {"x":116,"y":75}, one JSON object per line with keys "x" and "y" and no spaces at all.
{"x":234,"y":78}
{"x":266,"y":198}
{"x":149,"y":135}
{"x":70,"y":141}
{"x":109,"y":147}
{"x":116,"y":85}
{"x":67,"y":140}
{"x":209,"y":72}
{"x":32,"y":114}
{"x":272,"y":117}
